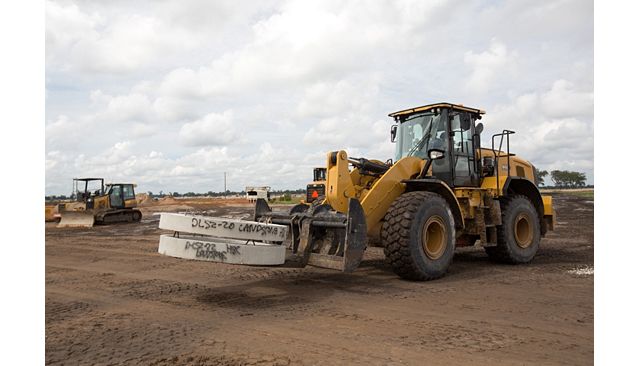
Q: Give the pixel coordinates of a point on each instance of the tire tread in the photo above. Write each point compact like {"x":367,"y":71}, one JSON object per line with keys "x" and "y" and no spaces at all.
{"x":396,"y":234}
{"x":503,"y":252}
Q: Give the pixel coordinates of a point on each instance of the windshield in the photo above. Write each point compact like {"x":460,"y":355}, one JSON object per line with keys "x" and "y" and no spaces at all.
{"x":419,"y":133}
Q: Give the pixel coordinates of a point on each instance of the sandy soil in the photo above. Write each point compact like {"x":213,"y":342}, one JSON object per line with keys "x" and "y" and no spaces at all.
{"x":112,"y":299}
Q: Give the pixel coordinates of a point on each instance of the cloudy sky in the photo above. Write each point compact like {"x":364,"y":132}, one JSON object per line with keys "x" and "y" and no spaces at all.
{"x":172,"y":94}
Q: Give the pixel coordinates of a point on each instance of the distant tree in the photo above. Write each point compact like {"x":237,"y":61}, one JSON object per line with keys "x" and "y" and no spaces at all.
{"x":56,"y":198}
{"x":285,"y":197}
{"x":539,"y":176}
{"x":579,"y":179}
{"x":568,"y":179}
{"x":558,"y":178}
{"x":176,"y":194}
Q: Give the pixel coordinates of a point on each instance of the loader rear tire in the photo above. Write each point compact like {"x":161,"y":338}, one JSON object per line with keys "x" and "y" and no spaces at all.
{"x":418,"y":236}
{"x":519,"y":234}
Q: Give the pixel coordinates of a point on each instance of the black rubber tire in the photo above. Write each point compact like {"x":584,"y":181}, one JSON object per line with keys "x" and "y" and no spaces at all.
{"x":402,"y":236}
{"x":137,"y":215}
{"x":508,"y":250}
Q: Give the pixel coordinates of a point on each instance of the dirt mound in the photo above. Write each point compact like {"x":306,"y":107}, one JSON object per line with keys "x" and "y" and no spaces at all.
{"x":168,"y":200}
{"x":143,"y":199}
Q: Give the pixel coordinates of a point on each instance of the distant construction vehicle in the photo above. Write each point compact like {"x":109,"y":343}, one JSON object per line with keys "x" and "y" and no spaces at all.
{"x":111,"y":203}
{"x":316,"y":189}
{"x":443,"y":191}
{"x":52,"y":211}
{"x":253,"y":193}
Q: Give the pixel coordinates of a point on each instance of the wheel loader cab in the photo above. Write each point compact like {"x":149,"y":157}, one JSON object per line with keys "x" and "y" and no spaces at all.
{"x":448,"y":130}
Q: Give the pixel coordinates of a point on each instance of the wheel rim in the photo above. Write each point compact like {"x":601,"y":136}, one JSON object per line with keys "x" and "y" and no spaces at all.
{"x":434,"y":237}
{"x":523,"y":229}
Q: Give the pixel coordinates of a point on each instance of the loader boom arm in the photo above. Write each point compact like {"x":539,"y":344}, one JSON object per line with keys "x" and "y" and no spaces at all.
{"x":375,"y":200}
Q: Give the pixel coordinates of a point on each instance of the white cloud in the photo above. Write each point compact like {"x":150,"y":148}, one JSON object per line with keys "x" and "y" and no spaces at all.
{"x":65,"y":24}
{"x":343,"y":113}
{"x":130,"y":107}
{"x":77,"y":40}
{"x":139,"y":130}
{"x":563,"y":101}
{"x":304,"y":40}
{"x":488,"y":65}
{"x":554,"y":128}
{"x":212,"y":129}
{"x":325,"y":99}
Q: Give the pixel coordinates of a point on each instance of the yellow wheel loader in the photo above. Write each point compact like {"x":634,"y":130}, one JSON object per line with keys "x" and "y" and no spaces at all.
{"x":443,"y":191}
{"x":111,"y":203}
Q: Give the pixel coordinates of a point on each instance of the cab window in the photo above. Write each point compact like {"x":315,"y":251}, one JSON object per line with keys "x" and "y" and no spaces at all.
{"x":127,"y":192}
{"x":463,"y":151}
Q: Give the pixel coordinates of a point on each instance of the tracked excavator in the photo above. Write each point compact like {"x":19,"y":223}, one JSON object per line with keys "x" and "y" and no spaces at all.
{"x":102,"y":204}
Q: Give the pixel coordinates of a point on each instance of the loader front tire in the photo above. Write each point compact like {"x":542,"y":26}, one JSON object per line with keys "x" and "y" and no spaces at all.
{"x":519,"y":234}
{"x":418,"y":236}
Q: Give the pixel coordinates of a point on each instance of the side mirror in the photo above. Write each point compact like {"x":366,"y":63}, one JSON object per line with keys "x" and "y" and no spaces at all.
{"x":479,"y":128}
{"x":394,"y":133}
{"x":435,"y":154}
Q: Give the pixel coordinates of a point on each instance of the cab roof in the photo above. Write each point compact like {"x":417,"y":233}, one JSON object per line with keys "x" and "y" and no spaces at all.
{"x":120,"y":184}
{"x":87,"y":179}
{"x":427,"y":107}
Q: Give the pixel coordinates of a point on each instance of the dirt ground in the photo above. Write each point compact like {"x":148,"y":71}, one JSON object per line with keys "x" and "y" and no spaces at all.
{"x":112,"y":299}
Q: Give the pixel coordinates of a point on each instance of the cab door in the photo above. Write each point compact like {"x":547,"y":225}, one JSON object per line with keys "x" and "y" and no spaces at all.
{"x":116,"y":199}
{"x":463,"y":152}
{"x":129,"y":195}
{"x":440,"y":140}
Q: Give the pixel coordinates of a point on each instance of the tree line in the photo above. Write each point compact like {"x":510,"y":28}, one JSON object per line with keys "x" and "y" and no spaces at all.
{"x":561,"y":178}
